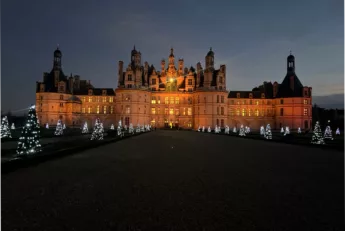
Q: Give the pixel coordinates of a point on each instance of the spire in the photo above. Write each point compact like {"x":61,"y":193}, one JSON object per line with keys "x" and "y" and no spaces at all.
{"x":290,"y":51}
{"x":134,"y":47}
{"x":172,"y":51}
{"x":57,"y":47}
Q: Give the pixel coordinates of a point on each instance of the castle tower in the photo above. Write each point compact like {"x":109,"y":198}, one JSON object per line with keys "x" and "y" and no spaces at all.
{"x":57,"y":59}
{"x":120,"y":79}
{"x":180,"y":66}
{"x":291,"y":64}
{"x":171,"y":59}
{"x":135,"y":58}
{"x":209,"y":59}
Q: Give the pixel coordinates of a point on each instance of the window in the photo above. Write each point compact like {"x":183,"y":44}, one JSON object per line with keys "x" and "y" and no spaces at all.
{"x":190,"y":82}
{"x":222,"y":110}
{"x":172,"y":100}
{"x":177,"y":100}
{"x":281,"y":101}
{"x":89,"y":109}
{"x":189,"y":111}
{"x":158,"y":110}
{"x":129,"y":85}
{"x":257,"y":102}
{"x":238,"y":95}
{"x":177,"y":111}
{"x":305,"y":111}
{"x":250,"y":95}
{"x":127,"y":121}
{"x":262,"y":95}
{"x":222,"y":99}
{"x":244,"y":102}
{"x":84,"y":99}
{"x":159,"y":100}
{"x":61,"y":104}
{"x":190,"y":89}
{"x":166,"y":111}
{"x":62,"y":88}
{"x":171,"y":111}
{"x":97,"y":109}
{"x":217,"y":122}
{"x":128,"y":110}
{"x":105,"y":109}
{"x":90,"y":91}
{"x":128,"y":98}
{"x":189,"y":100}
{"x":232,"y":101}
{"x":220,"y":79}
{"x":222,"y":123}
{"x":153,"y":111}
{"x":237,"y":111}
{"x":231,"y":112}
{"x":249,"y":112}
{"x":83,"y":110}
{"x":262,"y":112}
{"x":153,"y":100}
{"x":217,"y":110}
{"x":61,"y":97}
{"x":256,"y":112}
{"x":153,"y":81}
{"x":111,"y":109}
{"x":129,"y":77}
{"x":306,"y":124}
{"x":166,"y":101}
{"x":305,"y":101}
{"x":251,"y":102}
{"x":90,"y":99}
{"x":244,"y":112}
{"x":217,"y":98}
{"x":189,"y":124}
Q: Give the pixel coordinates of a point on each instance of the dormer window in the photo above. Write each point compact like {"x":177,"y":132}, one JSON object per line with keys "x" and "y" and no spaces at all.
{"x":129,"y":77}
{"x":41,"y":87}
{"x":90,"y":92}
{"x":104,"y":92}
{"x":250,"y":95}
{"x":238,"y":95}
{"x":263,"y":95}
{"x":62,"y":87}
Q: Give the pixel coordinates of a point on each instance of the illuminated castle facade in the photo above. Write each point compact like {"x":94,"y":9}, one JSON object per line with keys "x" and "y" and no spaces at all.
{"x":173,"y":96}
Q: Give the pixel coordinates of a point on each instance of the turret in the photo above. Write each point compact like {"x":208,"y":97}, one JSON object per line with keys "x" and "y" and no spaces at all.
{"x":209,"y":60}
{"x":198,"y":74}
{"x":180,"y":66}
{"x":291,"y":64}
{"x":57,"y":59}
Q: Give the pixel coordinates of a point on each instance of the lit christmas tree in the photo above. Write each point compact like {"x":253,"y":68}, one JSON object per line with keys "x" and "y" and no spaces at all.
{"x":131,"y":129}
{"x":328,"y":133}
{"x":209,"y":129}
{"x":268,"y":133}
{"x":242,"y":131}
{"x":64,"y":126}
{"x":287,"y":131}
{"x":227,"y":129}
{"x":203,"y":128}
{"x":337,"y":132}
{"x":119,"y":129}
{"x":97,"y":133}
{"x":5,"y":129}
{"x":247,"y":130}
{"x":59,"y":129}
{"x":112,"y":127}
{"x":262,"y":130}
{"x":29,"y":142}
{"x":199,"y":129}
{"x":299,"y":130}
{"x":282,"y":130}
{"x":234,"y":130}
{"x":12,"y":126}
{"x":138,"y":128}
{"x":317,"y":136}
{"x":85,"y":128}
{"x":47,"y":126}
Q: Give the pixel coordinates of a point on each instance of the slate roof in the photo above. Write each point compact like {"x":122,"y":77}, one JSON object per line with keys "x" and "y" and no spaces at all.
{"x":284,"y":90}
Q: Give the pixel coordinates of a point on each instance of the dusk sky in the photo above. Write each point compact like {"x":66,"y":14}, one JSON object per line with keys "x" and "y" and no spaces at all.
{"x":253,"y":38}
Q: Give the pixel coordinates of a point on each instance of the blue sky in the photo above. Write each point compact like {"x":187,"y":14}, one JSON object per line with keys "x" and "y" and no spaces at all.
{"x":253,"y":38}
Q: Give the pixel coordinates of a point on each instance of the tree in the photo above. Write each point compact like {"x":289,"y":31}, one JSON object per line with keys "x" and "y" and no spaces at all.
{"x":47,"y":126}
{"x":268,"y":132}
{"x":112,"y":127}
{"x":85,"y":128}
{"x":234,"y":130}
{"x":262,"y":130}
{"x":64,"y":126}
{"x":317,"y":136}
{"x":5,"y":130}
{"x":59,"y":129}
{"x":287,"y":131}
{"x":138,"y":128}
{"x":97,"y":133}
{"x":282,"y":130}
{"x":242,"y":131}
{"x":12,"y":126}
{"x":299,"y":130}
{"x":29,"y":141}
{"x":337,"y":132}
{"x":328,"y":133}
{"x":131,"y":129}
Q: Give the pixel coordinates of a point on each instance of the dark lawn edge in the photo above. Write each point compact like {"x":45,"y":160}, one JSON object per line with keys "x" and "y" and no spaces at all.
{"x":24,"y":162}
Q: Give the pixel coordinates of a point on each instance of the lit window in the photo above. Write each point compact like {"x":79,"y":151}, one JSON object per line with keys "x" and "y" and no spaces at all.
{"x":190,"y":81}
{"x":153,"y":111}
{"x":189,"y":111}
{"x":166,"y":100}
{"x":97,"y":99}
{"x":90,"y":99}
{"x":305,"y":111}
{"x":231,"y":112}
{"x":189,"y":124}
{"x":159,"y":100}
{"x":237,"y":111}
{"x":171,"y":100}
{"x":84,"y":99}
{"x":177,"y":111}
{"x":89,"y":109}
{"x":111,"y":110}
{"x":262,"y":112}
{"x":153,"y":100}
{"x":249,"y":112}
{"x":111,"y":99}
{"x":177,"y":100}
{"x":104,"y":99}
{"x":105,"y":109}
{"x":256,"y":112}
{"x":244,"y":112}
{"x":305,"y":101}
{"x":128,"y":110}
{"x":257,"y":102}
{"x":83,"y":110}
{"x":171,"y":111}
{"x":166,"y":111}
{"x":97,"y":109}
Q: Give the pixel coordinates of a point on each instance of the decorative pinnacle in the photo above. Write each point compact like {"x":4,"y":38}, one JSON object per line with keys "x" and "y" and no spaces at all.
{"x":134,"y":47}
{"x":171,"y":50}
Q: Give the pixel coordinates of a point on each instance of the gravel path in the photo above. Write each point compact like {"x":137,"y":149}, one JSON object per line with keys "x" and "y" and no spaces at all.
{"x":174,"y":180}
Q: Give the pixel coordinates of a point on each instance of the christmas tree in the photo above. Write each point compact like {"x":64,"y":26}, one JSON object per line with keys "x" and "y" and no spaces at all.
{"x":317,"y":136}
{"x":328,"y":133}
{"x":209,"y":129}
{"x":247,"y":130}
{"x":119,"y":129}
{"x":85,"y":128}
{"x":234,"y":130}
{"x":199,"y":128}
{"x":227,"y":129}
{"x":268,"y":133}
{"x":12,"y":126}
{"x":131,"y":129}
{"x":97,"y":133}
{"x":287,"y":131}
{"x":203,"y":128}
{"x":64,"y":126}
{"x":262,"y":130}
{"x":242,"y":131}
{"x":337,"y":132}
{"x":299,"y":130}
{"x":138,"y":129}
{"x":5,"y":130}
{"x":47,"y":126}
{"x":29,"y":142}
{"x":282,"y":130}
{"x":59,"y":130}
{"x":112,"y":127}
